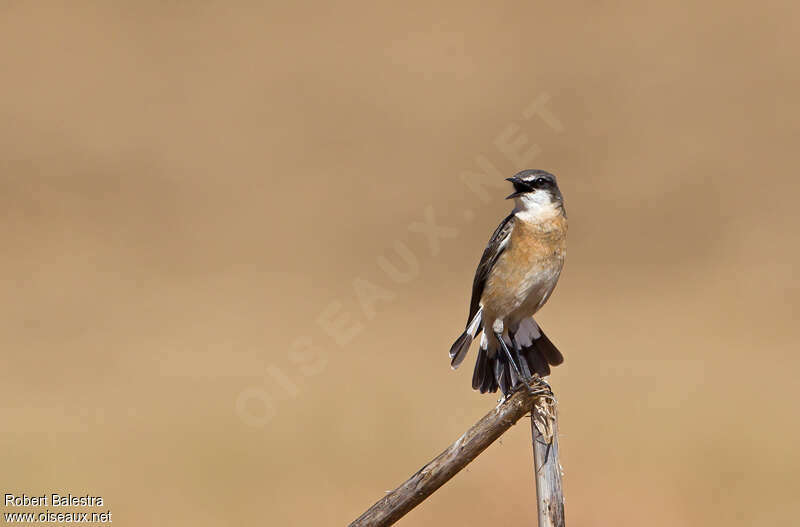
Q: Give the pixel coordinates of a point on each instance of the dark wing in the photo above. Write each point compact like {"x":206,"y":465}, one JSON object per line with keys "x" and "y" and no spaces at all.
{"x":493,"y":250}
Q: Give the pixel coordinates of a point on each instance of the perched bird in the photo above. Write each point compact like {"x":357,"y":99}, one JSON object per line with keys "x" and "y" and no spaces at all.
{"x":515,"y":277}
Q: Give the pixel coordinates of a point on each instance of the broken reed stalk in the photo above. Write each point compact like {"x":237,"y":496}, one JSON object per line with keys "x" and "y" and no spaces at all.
{"x":547,"y":469}
{"x":537,"y":400}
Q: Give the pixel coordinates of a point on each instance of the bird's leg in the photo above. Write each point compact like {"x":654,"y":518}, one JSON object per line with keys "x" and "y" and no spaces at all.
{"x":523,"y":365}
{"x":499,"y":336}
{"x":542,"y":388}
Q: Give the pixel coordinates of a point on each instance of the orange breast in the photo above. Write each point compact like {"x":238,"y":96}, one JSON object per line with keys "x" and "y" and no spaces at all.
{"x":527,"y":270}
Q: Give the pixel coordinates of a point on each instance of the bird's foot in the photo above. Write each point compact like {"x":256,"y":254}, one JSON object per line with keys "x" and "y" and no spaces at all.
{"x":536,"y":386}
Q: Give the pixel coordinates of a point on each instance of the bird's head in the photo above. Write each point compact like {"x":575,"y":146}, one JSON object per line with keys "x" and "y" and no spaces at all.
{"x":536,"y":192}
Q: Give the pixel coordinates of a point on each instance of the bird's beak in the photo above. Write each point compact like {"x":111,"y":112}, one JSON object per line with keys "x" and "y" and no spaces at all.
{"x":517,"y":186}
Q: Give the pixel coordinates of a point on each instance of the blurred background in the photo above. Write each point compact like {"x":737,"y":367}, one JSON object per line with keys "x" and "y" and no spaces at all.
{"x":225,"y":302}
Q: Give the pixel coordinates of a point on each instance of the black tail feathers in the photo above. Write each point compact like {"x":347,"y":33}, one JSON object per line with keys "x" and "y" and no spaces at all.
{"x":547,"y":349}
{"x":459,"y":349}
{"x":485,"y":378}
{"x":493,"y":370}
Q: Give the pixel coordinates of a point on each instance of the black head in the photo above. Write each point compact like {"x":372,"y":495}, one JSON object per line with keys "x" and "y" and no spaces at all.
{"x":532,"y":180}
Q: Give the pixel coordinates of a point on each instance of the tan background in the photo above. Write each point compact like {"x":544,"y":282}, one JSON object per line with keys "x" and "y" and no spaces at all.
{"x":188,"y":187}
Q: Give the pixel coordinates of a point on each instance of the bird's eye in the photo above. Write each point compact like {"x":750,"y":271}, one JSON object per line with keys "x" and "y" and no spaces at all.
{"x":540,"y":182}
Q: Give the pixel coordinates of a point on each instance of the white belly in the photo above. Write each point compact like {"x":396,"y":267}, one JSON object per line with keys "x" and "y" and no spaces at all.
{"x":534,"y":290}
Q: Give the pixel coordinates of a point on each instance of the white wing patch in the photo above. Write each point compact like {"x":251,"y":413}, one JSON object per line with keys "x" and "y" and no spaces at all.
{"x":501,"y":247}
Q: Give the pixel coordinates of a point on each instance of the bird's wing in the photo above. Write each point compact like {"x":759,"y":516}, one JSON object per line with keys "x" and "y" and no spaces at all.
{"x":495,"y":247}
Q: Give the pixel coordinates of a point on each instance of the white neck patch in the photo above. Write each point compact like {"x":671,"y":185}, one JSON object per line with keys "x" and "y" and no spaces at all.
{"x":536,"y":206}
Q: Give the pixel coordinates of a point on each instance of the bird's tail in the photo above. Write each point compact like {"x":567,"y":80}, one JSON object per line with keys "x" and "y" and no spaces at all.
{"x":537,"y":354}
{"x":461,"y":346}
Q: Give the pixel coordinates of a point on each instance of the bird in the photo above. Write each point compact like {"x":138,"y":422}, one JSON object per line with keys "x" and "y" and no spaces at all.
{"x":515,"y":277}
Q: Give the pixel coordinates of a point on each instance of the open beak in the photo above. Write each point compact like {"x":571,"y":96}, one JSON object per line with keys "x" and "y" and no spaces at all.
{"x":518,"y":187}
